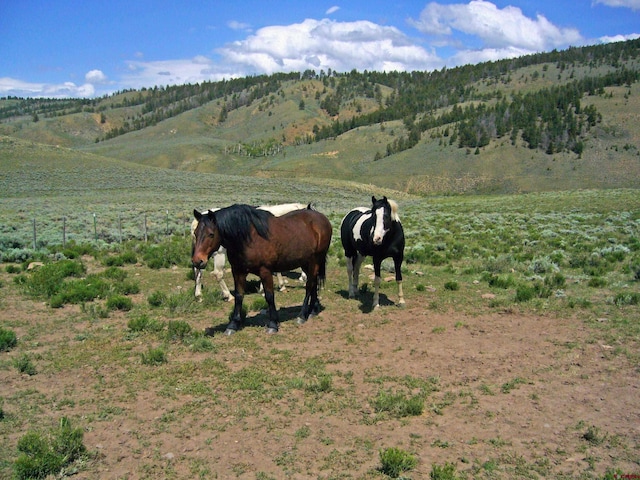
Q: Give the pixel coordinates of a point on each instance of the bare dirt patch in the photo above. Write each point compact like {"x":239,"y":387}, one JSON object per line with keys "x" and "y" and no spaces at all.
{"x":513,"y":395}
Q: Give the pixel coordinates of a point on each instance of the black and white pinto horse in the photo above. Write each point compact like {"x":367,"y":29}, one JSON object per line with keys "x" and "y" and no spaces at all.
{"x":375,"y":232}
{"x":219,"y":257}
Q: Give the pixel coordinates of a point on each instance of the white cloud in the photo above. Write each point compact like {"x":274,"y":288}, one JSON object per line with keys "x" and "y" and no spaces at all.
{"x":619,"y":38}
{"x":169,"y":72}
{"x":497,"y":29}
{"x":326,"y":44}
{"x":632,"y":4}
{"x":234,"y":25}
{"x":12,"y":87}
{"x":95,"y":77}
{"x":331,"y":10}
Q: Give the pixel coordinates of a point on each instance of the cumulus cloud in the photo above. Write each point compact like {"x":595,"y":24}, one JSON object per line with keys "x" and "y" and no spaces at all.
{"x":506,"y":29}
{"x":619,"y":38}
{"x":327,"y":44}
{"x":12,"y":87}
{"x":632,"y":4}
{"x":95,"y":77}
{"x":142,"y":74}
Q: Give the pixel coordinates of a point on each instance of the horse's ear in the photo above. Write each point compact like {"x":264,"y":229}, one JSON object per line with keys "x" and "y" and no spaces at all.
{"x":385,"y":198}
{"x":197,"y":214}
{"x":373,"y":199}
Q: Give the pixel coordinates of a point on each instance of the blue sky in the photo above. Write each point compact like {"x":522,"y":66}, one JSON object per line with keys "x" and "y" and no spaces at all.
{"x":89,"y":48}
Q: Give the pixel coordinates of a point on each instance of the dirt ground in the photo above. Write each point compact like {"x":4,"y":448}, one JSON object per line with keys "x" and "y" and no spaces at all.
{"x":515,"y":395}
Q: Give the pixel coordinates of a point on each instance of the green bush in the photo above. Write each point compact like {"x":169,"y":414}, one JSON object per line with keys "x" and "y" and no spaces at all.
{"x":452,"y":285}
{"x":43,"y":455}
{"x":144,"y":323}
{"x":396,"y":461}
{"x":12,"y":268}
{"x":8,"y":339}
{"x":119,"y":302}
{"x":178,"y":330}
{"x":524,"y":293}
{"x":154,"y":356}
{"x":115,"y":273}
{"x":124,"y":258}
{"x":157,"y":299}
{"x":48,"y":280}
{"x":630,"y":298}
{"x":166,"y":254}
{"x":398,"y":405}
{"x":25,"y":365}
{"x":446,"y":472}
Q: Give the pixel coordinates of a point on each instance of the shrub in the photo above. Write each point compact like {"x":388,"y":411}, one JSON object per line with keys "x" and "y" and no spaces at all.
{"x":178,"y":330}
{"x":47,"y":280}
{"x":446,"y":472}
{"x":114,"y":273}
{"x":524,"y":293}
{"x":25,"y":365}
{"x":119,"y":302}
{"x":128,"y":287}
{"x":398,"y":405}
{"x":597,"y":282}
{"x":8,"y":339}
{"x":395,"y":461}
{"x":156,"y":299}
{"x":144,"y":323}
{"x":631,"y":298}
{"x":557,"y":280}
{"x":154,"y":356}
{"x":12,"y":268}
{"x":43,"y":455}
{"x":451,"y":285}
{"x":501,"y":281}
{"x":259,"y":304}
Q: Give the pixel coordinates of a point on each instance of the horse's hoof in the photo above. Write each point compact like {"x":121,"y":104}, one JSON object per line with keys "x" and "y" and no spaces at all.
{"x":402,"y":305}
{"x":229,"y":331}
{"x":271,"y":331}
{"x":301,"y":321}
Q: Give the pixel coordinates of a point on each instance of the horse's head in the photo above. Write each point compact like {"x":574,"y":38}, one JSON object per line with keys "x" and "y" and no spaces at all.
{"x":382,"y":214}
{"x":206,"y":238}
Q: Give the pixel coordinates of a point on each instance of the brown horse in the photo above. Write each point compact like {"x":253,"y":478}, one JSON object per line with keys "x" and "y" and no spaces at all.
{"x":258,"y":242}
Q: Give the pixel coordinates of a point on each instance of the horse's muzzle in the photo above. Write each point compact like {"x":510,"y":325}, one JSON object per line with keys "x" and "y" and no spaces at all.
{"x":200,"y":264}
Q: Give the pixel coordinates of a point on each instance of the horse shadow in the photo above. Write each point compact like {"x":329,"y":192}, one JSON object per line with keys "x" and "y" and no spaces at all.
{"x":259,"y":319}
{"x":365,"y":297}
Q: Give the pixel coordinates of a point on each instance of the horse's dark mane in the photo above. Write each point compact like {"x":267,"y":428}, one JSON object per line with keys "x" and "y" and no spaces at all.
{"x":234,"y":224}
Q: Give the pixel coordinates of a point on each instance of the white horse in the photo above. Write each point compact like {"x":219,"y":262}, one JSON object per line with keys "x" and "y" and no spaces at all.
{"x":220,"y":256}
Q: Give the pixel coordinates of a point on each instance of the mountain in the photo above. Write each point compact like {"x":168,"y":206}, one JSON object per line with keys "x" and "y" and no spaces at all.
{"x":559,"y":120}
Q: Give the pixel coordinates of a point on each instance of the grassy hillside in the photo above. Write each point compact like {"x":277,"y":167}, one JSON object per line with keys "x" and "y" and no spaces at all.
{"x":232,"y":132}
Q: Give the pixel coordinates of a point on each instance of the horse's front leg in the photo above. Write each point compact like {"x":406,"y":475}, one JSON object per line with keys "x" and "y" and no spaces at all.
{"x":235,"y":324}
{"x":397,"y":262}
{"x":376,"y":282}
{"x":197,"y":273}
{"x":218,"y":271}
{"x":273,"y":323}
{"x":353,"y":272}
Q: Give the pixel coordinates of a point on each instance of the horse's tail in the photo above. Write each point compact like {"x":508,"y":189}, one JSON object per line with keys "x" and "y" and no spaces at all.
{"x":322,"y":272}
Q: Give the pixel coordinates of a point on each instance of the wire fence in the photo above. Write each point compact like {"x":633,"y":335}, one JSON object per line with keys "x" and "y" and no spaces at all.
{"x":43,"y":231}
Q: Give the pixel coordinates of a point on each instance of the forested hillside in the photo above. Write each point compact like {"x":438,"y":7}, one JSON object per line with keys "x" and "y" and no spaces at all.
{"x":561,"y":119}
